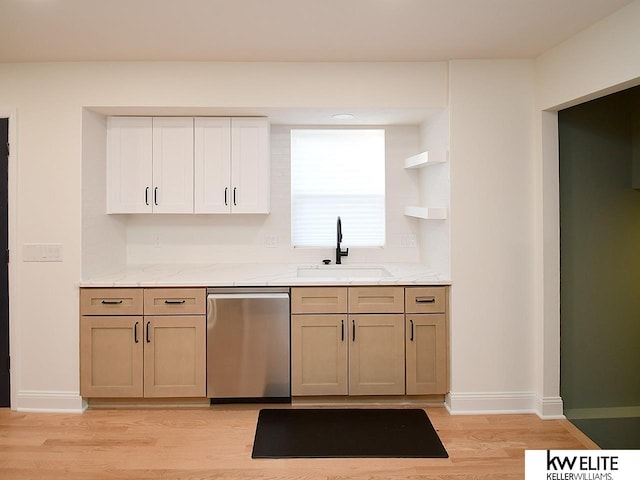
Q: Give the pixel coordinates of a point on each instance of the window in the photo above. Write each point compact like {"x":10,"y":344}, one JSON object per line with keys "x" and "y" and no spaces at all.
{"x":337,"y":173}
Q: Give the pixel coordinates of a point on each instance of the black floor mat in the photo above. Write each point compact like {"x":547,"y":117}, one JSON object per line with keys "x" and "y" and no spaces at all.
{"x":322,"y":433}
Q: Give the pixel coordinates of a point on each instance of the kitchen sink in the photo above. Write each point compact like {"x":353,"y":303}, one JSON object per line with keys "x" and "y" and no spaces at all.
{"x":343,"y":271}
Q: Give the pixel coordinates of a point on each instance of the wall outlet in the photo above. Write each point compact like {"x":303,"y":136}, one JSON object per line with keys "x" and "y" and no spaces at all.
{"x":270,"y":241}
{"x":408,"y":240}
{"x":42,"y":252}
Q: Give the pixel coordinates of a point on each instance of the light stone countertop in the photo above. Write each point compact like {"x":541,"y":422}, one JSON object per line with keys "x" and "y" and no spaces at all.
{"x":267,"y":274}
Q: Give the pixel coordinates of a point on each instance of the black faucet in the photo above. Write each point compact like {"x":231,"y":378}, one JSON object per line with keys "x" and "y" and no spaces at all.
{"x":339,"y":252}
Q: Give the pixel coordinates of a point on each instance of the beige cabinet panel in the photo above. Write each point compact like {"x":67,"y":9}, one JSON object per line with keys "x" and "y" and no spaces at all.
{"x":175,"y":301}
{"x":426,"y":299}
{"x":319,"y":355}
{"x":427,"y":352}
{"x":111,"y":301}
{"x":376,"y":300}
{"x":376,"y":354}
{"x":319,"y":300}
{"x":174,"y":356}
{"x":111,"y":356}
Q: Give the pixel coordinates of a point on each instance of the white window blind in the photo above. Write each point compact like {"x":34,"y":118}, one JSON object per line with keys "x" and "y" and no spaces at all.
{"x":337,"y":173}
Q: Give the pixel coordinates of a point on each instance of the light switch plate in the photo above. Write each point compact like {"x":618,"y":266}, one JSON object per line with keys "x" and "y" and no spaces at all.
{"x":408,"y":240}
{"x":42,"y":252}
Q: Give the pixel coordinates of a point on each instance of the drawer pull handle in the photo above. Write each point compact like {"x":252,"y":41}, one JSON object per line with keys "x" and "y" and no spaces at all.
{"x":175,"y":302}
{"x":411,"y":321}
{"x":425,"y":299}
{"x":135,"y":333}
{"x":112,"y":302}
{"x":342,"y":322}
{"x":147,"y":332}
{"x":353,"y":323}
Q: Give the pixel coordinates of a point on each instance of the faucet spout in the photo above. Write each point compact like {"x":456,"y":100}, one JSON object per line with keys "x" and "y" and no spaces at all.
{"x":339,"y":251}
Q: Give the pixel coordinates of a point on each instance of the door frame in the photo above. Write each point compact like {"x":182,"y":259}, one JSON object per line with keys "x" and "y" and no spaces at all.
{"x":14,"y":252}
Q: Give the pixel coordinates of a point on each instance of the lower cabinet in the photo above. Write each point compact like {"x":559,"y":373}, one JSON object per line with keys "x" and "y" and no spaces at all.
{"x":347,"y":354}
{"x":132,"y":356}
{"x":426,"y":342}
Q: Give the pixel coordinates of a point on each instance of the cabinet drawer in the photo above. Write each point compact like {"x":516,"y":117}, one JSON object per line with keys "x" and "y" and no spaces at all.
{"x":175,"y":301}
{"x":426,"y":299}
{"x":111,"y":301}
{"x":376,"y":300}
{"x":319,"y":300}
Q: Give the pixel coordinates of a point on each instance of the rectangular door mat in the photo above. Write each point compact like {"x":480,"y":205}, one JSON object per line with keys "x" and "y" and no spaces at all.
{"x":346,"y":433}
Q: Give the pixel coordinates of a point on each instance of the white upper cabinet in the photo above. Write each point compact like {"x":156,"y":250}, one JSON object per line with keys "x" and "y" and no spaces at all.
{"x":129,"y":160}
{"x":213,"y":168}
{"x":231,"y":165}
{"x":250,"y":165}
{"x":150,"y":165}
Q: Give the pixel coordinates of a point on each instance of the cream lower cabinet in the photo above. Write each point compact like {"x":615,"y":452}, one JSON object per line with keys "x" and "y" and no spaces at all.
{"x":131,"y":356}
{"x":341,"y":353}
{"x":426,"y":354}
{"x":369,"y":341}
{"x":319,"y":355}
{"x":376,"y":354}
{"x":427,"y":343}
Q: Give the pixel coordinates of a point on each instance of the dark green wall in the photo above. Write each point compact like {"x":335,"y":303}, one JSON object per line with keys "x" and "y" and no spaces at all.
{"x":600,"y":253}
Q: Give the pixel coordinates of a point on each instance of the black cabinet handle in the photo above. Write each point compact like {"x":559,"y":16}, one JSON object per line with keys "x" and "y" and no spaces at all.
{"x":175,"y":302}
{"x":226,"y":191}
{"x":111,"y":302}
{"x":353,"y":324}
{"x":155,"y":196}
{"x":135,"y":333}
{"x":411,"y":321}
{"x":425,"y":299}
{"x":147,"y":332}
{"x":146,"y":196}
{"x":234,"y":196}
{"x":342,"y":337}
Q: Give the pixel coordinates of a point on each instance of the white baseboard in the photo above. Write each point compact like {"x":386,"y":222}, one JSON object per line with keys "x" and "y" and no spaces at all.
{"x":52,"y":402}
{"x":483,"y":403}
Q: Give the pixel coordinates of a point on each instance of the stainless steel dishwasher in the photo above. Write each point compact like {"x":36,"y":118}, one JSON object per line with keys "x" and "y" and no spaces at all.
{"x":248,"y":344}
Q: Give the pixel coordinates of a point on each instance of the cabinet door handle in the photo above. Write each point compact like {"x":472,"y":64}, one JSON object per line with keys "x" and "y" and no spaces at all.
{"x":353,"y":331}
{"x":111,"y":302}
{"x":155,"y":196}
{"x":226,"y":191}
{"x":342,"y":330}
{"x":411,"y":322}
{"x":175,"y":302}
{"x":234,"y":196}
{"x":146,"y":196}
{"x":135,"y":333}
{"x":425,"y":299}
{"x":147,"y":333}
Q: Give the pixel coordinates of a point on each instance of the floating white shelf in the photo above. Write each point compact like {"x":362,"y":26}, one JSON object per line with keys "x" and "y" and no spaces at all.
{"x":426,"y":213}
{"x":425,"y":159}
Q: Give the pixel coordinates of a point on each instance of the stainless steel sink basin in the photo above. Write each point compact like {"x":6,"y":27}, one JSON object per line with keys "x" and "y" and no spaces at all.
{"x":342,"y":271}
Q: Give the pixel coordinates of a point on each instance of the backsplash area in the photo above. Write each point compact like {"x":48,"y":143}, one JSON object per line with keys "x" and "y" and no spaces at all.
{"x":240,"y":238}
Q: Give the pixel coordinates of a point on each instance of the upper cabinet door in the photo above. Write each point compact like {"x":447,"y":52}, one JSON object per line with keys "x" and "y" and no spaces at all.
{"x":172,"y":165}
{"x":212,"y":165}
{"x":250,"y":165}
{"x":129,"y":159}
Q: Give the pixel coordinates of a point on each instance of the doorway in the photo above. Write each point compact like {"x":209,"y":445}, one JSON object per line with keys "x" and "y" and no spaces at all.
{"x":600,"y":267}
{"x":5,"y":383}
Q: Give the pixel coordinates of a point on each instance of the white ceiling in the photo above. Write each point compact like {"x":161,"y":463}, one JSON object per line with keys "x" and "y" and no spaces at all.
{"x":289,"y":30}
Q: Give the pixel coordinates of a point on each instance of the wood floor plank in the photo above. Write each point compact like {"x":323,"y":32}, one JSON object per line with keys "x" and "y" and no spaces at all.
{"x":215,"y":443}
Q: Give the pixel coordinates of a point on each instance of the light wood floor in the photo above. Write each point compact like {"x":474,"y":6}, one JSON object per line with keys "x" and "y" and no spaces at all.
{"x":216,"y":443}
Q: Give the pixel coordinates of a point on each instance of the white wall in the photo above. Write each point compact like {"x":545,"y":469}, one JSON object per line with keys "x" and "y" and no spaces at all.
{"x":49,"y":101}
{"x":492,"y":113}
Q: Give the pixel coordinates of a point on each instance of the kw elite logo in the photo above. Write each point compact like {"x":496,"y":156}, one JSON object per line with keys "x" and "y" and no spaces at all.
{"x":582,"y":464}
